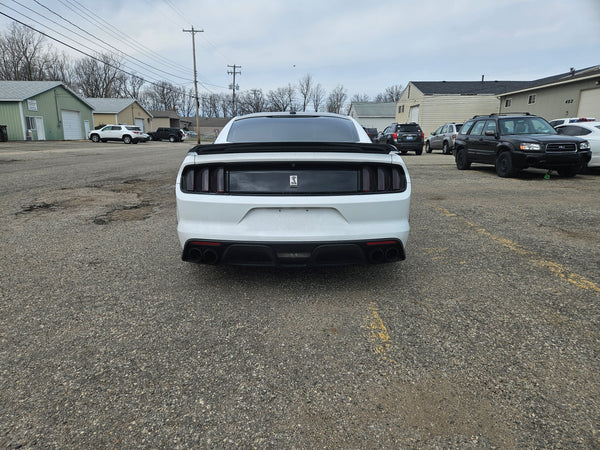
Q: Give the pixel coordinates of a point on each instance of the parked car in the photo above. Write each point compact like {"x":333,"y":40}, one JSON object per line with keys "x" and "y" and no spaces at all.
{"x":125,"y":133}
{"x":293,"y":189}
{"x":404,"y":136}
{"x":169,"y":133}
{"x":371,"y":132}
{"x":443,"y":138}
{"x":564,"y":120}
{"x":514,"y":142}
{"x":587,"y":130}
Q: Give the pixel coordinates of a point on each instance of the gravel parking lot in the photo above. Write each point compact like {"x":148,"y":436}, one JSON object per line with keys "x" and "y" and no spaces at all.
{"x":486,"y":336}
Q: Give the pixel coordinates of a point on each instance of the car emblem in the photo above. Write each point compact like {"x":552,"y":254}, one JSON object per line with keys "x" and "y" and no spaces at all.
{"x":293,"y":180}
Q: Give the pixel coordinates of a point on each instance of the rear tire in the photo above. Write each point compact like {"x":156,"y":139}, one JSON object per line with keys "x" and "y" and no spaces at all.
{"x":462,"y":160}
{"x":171,"y":138}
{"x":504,"y":165}
{"x":446,"y":149}
{"x":427,"y":147}
{"x":419,"y":151}
{"x":127,"y":139}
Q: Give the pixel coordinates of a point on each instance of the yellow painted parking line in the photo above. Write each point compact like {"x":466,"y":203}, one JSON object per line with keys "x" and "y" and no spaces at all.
{"x":555,"y":268}
{"x":380,"y":338}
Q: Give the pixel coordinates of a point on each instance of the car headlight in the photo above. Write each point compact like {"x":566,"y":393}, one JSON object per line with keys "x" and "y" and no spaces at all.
{"x":530,"y":147}
{"x":585,"y":145}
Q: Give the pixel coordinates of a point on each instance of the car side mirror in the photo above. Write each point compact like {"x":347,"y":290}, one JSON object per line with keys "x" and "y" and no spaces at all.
{"x":490,"y":133}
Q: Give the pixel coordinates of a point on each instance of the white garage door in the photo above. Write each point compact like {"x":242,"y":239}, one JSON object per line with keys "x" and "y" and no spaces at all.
{"x":589,"y":103}
{"x":71,"y":125}
{"x":140,"y":123}
{"x":413,"y":115}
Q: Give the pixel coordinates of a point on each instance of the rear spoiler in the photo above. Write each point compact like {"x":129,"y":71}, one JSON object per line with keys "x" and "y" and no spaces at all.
{"x":260,"y":147}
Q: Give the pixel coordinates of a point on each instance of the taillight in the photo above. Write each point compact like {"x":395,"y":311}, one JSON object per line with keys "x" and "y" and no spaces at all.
{"x":382,"y":179}
{"x":422,"y":135}
{"x":207,"y":179}
{"x":394,"y":136}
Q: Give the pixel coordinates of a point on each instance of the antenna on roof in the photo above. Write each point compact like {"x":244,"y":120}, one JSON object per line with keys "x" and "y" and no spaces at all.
{"x":482,"y":78}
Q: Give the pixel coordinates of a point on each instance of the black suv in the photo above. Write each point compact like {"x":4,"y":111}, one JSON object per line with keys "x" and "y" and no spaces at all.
{"x":517,"y":141}
{"x":172,"y":134}
{"x":403,"y":136}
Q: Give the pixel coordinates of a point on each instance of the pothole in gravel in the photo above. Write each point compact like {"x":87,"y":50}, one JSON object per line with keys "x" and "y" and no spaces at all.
{"x":131,"y":200}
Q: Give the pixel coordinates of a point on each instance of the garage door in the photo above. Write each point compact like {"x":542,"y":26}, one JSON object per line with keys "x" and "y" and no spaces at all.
{"x":589,"y":103}
{"x":71,"y":125}
{"x":140,"y":123}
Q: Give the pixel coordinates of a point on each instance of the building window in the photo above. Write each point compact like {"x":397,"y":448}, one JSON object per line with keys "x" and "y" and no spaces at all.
{"x":401,"y":109}
{"x":531,"y":99}
{"x":507,"y":102}
{"x":30,"y":122}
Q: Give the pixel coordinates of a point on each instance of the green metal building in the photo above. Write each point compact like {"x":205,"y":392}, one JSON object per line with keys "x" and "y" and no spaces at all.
{"x":43,"y":110}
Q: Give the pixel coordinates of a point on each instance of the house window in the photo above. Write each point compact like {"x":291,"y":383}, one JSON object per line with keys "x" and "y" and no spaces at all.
{"x":531,"y":99}
{"x":401,"y":108}
{"x":507,"y":102}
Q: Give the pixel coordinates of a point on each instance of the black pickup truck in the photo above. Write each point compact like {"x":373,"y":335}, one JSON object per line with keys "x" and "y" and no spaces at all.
{"x":172,"y":134}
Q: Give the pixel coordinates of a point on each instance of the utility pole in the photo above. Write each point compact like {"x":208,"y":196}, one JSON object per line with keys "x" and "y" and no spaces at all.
{"x":195,"y":78}
{"x":233,"y":86}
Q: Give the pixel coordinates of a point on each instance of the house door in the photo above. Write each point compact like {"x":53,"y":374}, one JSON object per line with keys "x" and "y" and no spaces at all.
{"x":413,"y":115}
{"x":86,"y":125}
{"x":39,"y":126}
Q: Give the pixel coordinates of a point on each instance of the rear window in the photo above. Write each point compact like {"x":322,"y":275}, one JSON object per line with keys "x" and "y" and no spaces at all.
{"x":293,"y":129}
{"x":134,"y":128}
{"x":408,"y":128}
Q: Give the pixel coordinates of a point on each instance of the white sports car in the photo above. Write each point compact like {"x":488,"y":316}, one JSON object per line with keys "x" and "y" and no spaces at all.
{"x":293,"y":189}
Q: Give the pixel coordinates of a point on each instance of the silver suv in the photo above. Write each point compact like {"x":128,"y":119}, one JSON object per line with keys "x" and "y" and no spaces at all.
{"x":443,"y":138}
{"x":125,"y":133}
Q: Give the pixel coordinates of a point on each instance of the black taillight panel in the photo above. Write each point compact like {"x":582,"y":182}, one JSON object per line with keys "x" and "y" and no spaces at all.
{"x":294,"y":179}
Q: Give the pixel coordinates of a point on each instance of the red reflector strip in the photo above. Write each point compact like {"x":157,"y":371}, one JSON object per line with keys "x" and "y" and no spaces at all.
{"x":208,"y":244}
{"x":382,"y":243}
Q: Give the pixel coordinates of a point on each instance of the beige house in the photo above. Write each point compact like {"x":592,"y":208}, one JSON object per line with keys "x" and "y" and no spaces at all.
{"x":169,"y":119}
{"x":120,"y":111}
{"x":434,"y":103}
{"x":572,"y":94}
{"x":373,"y":114}
{"x":209,"y":127}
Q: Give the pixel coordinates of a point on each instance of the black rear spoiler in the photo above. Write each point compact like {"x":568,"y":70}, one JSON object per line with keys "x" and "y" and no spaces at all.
{"x":258,"y":147}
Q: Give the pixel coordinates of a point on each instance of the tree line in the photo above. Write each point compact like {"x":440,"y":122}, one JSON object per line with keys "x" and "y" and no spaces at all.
{"x":26,"y":56}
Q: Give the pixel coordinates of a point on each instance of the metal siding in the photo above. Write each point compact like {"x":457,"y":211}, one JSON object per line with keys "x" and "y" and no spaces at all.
{"x":11,"y":117}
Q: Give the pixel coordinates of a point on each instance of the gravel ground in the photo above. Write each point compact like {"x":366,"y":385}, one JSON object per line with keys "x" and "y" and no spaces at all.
{"x":487,"y":336}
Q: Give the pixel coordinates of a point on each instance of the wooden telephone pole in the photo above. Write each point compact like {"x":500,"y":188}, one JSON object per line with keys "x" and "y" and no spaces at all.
{"x":195,"y":78}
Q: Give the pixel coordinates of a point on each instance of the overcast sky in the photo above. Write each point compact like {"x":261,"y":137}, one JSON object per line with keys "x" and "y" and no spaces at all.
{"x":365,"y":46}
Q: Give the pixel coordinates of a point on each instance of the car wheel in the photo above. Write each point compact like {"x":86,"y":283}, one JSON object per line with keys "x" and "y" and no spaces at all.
{"x":171,"y":138}
{"x":419,"y":151}
{"x":446,"y":149}
{"x":462,"y":160}
{"x":427,"y":147}
{"x":568,"y":172}
{"x":504,"y":165}
{"x":95,"y":138}
{"x":149,"y":138}
{"x":127,"y":139}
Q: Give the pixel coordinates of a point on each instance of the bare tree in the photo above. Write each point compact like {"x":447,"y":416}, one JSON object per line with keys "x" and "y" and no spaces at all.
{"x":359,"y":98}
{"x":23,"y":55}
{"x":317,"y":94}
{"x":100,"y":77}
{"x":305,"y":87}
{"x":282,"y":99}
{"x":391,"y":94}
{"x":252,"y":101}
{"x":336,"y":99}
{"x":164,"y":96}
{"x":132,"y":86}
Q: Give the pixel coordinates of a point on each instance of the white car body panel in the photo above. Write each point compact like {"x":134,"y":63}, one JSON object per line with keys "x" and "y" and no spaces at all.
{"x":274,"y":220}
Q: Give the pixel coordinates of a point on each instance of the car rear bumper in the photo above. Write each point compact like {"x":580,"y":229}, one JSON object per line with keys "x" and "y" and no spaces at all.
{"x":293,"y":254}
{"x":410,"y":146}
